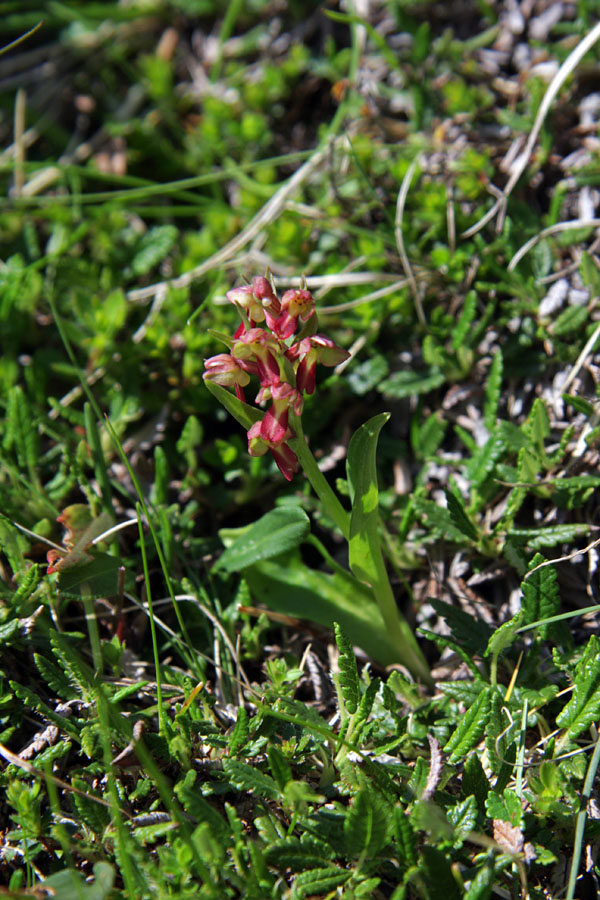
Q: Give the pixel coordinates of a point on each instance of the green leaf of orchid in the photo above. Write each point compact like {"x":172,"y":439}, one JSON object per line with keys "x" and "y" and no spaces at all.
{"x":245,"y":414}
{"x":279,"y":531}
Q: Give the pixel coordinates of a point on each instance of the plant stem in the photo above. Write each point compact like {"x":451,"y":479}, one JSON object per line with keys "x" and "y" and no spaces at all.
{"x":319,"y":483}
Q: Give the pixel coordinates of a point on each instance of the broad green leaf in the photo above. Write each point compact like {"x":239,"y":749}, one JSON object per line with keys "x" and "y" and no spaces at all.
{"x":364,"y":496}
{"x":481,"y":886}
{"x":470,"y":729}
{"x":100,"y":576}
{"x":323,"y":598}
{"x":540,"y":597}
{"x":280,"y":531}
{"x":152,"y":247}
{"x":68,"y":884}
{"x":348,"y":675}
{"x":571,"y":319}
{"x":366,"y":824}
{"x":584,"y":706}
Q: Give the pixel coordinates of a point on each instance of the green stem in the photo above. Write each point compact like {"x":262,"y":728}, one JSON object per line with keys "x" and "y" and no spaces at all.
{"x":319,"y":483}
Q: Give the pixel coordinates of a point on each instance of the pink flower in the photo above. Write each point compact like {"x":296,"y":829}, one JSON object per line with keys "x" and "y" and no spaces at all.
{"x":258,"y":301}
{"x":271,"y":435}
{"x":308,"y":352}
{"x":262,"y":348}
{"x":296,"y":305}
{"x":225,"y":370}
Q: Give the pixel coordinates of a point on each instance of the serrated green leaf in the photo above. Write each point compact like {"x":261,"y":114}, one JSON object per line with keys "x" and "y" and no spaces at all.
{"x":439,"y":521}
{"x":426,"y":436}
{"x":279,"y":531}
{"x":580,"y":404}
{"x":482,"y":463}
{"x":241,"y":730}
{"x":537,"y":426}
{"x":55,"y":678}
{"x":152,"y":248}
{"x":95,"y":815}
{"x":572,"y":319}
{"x":32,"y":701}
{"x":280,"y":767}
{"x":463,"y":326}
{"x":493,"y":389}
{"x":471,"y":632}
{"x":470,"y":729}
{"x":348,"y":675}
{"x":249,"y":778}
{"x":540,"y":597}
{"x":463,"y":817}
{"x":474,"y":782}
{"x":366,"y":824}
{"x":584,"y":706}
{"x":504,"y":636}
{"x":318,"y":881}
{"x":496,"y":745}
{"x":537,"y":538}
{"x":481,"y":885}
{"x":190,"y":797}
{"x":411,"y":384}
{"x":506,"y":806}
{"x":297,"y":855}
{"x":364,"y":710}
{"x":459,"y":515}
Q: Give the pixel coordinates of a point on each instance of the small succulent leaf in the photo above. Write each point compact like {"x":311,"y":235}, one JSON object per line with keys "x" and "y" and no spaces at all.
{"x":279,"y":531}
{"x":540,"y":596}
{"x":242,"y":412}
{"x":348,"y":676}
{"x":249,"y":778}
{"x":506,"y":807}
{"x":583,"y":708}
{"x":241,"y":730}
{"x":470,"y":729}
{"x":459,"y":515}
{"x":364,"y":495}
{"x":367,"y":823}
{"x":493,"y":388}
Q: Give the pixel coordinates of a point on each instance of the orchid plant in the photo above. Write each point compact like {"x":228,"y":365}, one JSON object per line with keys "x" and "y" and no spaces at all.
{"x":278,"y":343}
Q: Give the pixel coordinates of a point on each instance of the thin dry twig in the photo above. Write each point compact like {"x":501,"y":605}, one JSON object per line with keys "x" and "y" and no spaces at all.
{"x":402,"y":195}
{"x":570,"y":63}
{"x":269,"y":212}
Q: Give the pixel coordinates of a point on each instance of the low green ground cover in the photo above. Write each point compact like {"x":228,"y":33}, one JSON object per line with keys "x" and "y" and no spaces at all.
{"x":379,"y":677}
